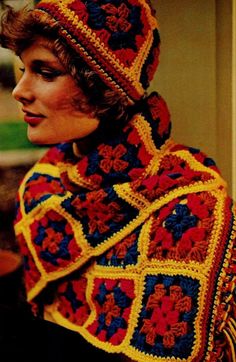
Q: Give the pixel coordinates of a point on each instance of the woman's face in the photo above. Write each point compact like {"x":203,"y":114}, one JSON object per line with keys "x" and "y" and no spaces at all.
{"x":47,"y":93}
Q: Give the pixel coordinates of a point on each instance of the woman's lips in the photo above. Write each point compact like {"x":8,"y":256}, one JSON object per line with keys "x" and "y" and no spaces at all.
{"x":32,"y":118}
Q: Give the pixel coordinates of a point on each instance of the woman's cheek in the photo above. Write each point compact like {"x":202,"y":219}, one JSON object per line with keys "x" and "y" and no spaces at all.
{"x":64,"y":101}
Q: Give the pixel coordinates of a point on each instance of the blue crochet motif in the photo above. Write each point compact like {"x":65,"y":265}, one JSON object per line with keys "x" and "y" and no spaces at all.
{"x":65,"y":238}
{"x":70,"y":295}
{"x":207,"y":161}
{"x":111,"y":178}
{"x":180,"y":221}
{"x":117,"y":322}
{"x":112,"y":259}
{"x":183,"y":347}
{"x":121,"y":298}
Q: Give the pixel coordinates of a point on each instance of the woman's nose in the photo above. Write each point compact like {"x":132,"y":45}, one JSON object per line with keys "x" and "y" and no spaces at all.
{"x":23,"y":90}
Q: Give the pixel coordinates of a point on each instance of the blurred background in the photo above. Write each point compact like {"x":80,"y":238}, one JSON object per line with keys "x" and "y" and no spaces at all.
{"x":17,"y":154}
{"x":196,"y":76}
{"x":9,"y":112}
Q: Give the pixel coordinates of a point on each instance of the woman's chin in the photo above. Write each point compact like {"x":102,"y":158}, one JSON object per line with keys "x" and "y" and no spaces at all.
{"x":36,"y":138}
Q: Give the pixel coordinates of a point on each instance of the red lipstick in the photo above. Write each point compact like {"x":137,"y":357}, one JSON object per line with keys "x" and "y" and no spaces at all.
{"x":32,"y":118}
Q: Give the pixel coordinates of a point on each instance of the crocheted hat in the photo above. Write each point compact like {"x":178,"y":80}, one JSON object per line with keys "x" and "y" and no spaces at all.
{"x":118,"y":39}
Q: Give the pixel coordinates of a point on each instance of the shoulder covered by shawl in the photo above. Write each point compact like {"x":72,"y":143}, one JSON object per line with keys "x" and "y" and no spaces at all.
{"x":140,"y":243}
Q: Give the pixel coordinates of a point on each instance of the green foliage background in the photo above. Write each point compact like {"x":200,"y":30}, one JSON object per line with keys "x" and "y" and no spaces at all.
{"x":13,"y":136}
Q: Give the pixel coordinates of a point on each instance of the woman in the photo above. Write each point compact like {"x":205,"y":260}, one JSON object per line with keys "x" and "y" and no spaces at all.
{"x":128,"y":238}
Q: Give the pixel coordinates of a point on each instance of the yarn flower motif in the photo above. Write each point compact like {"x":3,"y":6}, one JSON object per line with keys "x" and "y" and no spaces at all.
{"x":98,"y":212}
{"x":117,"y":17}
{"x":113,"y":301}
{"x":112,"y":158}
{"x":110,"y":309}
{"x":193,"y":244}
{"x":181,"y":231}
{"x":180,"y":220}
{"x":54,"y":240}
{"x":161,"y":243}
{"x":120,"y":20}
{"x":166,"y":315}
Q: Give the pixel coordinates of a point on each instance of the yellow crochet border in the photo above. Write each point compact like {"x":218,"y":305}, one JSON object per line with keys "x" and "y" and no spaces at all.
{"x":124,"y":191}
{"x":138,"y":273}
{"x":216,"y":186}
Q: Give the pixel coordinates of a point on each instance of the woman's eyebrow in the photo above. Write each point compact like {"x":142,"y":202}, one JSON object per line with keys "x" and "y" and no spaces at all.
{"x":45,"y":63}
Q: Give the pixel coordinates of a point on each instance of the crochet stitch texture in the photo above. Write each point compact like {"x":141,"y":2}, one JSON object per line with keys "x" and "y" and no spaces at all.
{"x":118,"y":39}
{"x":134,"y":244}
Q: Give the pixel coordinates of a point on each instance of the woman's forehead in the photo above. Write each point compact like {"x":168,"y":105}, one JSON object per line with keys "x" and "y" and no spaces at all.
{"x":41,"y":48}
{"x":43,"y":41}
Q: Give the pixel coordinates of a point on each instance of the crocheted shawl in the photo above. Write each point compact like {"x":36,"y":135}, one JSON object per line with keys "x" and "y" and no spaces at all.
{"x":133,"y":245}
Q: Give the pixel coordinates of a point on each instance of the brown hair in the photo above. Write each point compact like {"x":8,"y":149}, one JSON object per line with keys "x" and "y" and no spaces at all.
{"x":21,"y":28}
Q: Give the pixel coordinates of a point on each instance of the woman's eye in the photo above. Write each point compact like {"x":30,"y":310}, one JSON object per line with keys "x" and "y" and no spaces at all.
{"x":48,"y":74}
{"x":22,"y":69}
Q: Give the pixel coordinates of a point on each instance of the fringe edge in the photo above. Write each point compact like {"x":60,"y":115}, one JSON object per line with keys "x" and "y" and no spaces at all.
{"x":230,"y":333}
